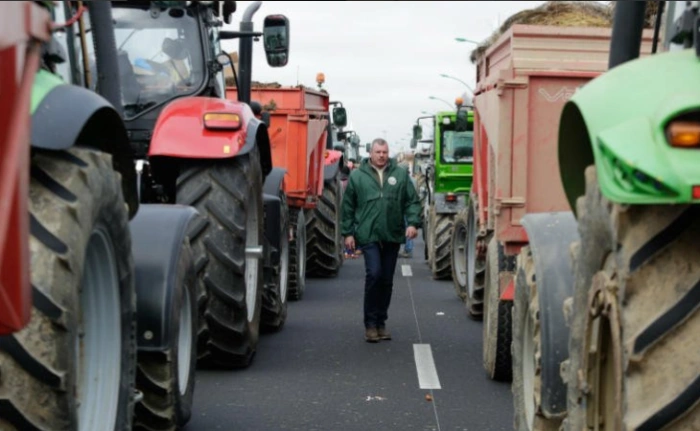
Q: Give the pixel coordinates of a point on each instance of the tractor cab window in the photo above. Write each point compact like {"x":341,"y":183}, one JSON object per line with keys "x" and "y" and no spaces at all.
{"x":457,"y":147}
{"x":160,"y":56}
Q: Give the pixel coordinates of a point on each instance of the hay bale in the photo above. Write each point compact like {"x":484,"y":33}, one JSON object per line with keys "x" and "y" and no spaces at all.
{"x":553,"y":13}
{"x":652,"y":8}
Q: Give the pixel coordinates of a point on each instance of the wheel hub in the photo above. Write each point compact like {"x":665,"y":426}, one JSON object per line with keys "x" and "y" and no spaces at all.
{"x":602,"y":362}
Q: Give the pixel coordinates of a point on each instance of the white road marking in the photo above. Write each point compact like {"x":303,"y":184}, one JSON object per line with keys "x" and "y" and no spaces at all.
{"x":427,"y":374}
{"x":406,"y":271}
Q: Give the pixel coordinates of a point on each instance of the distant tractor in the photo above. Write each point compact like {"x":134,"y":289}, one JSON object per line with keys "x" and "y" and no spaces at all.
{"x":448,"y":180}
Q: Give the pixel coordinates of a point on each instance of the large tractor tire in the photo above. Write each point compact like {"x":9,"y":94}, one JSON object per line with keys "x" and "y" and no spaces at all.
{"x":297,"y":255}
{"x":634,"y":360}
{"x":228,"y":194}
{"x":73,"y":366}
{"x":440,"y":250}
{"x":459,"y":254}
{"x":274,"y":306}
{"x":497,"y":335}
{"x":527,"y":350}
{"x":166,"y":379}
{"x":476,"y":267}
{"x":324,"y":243}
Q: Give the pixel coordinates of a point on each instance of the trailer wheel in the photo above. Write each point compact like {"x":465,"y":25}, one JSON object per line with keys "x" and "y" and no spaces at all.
{"x":425,"y":229}
{"x":297,"y":255}
{"x":497,"y":334}
{"x":459,"y":254}
{"x":274,"y":307}
{"x":476,"y":267}
{"x":527,"y":381}
{"x":74,"y":364}
{"x":634,"y":344}
{"x":420,"y":184}
{"x":228,"y":195}
{"x":166,"y":379}
{"x":441,"y":245}
{"x":324,"y":250}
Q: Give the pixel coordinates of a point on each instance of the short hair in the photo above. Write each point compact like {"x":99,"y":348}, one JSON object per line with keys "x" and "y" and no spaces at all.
{"x":378,"y":142}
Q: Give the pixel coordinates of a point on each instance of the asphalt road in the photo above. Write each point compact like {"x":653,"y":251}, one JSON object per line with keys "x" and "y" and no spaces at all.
{"x":318,"y":373}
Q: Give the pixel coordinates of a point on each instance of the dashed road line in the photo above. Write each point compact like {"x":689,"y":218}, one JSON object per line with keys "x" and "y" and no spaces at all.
{"x":425,"y":365}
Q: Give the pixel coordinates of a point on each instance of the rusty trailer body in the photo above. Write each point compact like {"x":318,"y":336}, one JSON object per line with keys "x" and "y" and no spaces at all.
{"x":298,"y":126}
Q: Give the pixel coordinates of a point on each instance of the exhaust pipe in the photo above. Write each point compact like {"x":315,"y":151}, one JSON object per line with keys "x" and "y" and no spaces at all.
{"x":245,"y":59}
{"x":108,"y":84}
{"x":628,"y":24}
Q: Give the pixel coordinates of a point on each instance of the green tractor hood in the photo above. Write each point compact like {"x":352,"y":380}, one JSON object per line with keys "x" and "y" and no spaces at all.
{"x":619,"y":122}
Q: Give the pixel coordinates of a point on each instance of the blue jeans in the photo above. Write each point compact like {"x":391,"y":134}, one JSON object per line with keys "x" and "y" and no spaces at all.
{"x":380,"y":263}
{"x":408,"y":248}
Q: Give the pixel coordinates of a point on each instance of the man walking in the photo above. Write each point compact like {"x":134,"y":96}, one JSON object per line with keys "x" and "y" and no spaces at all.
{"x":378,"y":202}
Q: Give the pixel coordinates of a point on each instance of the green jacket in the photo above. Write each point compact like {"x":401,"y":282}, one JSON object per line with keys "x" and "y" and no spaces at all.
{"x":372,"y":212}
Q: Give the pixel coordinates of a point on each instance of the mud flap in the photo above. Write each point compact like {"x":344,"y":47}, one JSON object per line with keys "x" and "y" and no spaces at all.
{"x":550,"y":235}
{"x":157,"y":233}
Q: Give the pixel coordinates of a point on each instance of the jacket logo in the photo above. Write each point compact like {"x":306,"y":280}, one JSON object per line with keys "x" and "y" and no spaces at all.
{"x":391,"y":181}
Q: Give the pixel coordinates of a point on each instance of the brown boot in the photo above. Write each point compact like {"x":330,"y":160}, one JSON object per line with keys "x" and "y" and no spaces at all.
{"x":383,"y":334}
{"x":371,"y":335}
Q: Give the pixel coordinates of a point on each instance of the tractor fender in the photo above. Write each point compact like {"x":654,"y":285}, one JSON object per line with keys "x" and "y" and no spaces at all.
{"x":331,"y":164}
{"x":627,"y":141}
{"x":64,"y":116}
{"x":550,"y":235}
{"x":180,"y":132}
{"x":273,"y":210}
{"x":442,"y":206}
{"x":157,"y":233}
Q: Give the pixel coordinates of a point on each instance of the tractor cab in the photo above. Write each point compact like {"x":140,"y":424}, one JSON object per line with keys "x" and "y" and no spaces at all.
{"x":160,"y":54}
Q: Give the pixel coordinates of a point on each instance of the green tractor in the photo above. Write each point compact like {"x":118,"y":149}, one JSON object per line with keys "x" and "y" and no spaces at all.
{"x":630,"y":172}
{"x":629,"y":151}
{"x":448,"y":182}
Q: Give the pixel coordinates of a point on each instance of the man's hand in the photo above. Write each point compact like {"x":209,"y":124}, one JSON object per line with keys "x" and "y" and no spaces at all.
{"x":350,"y":243}
{"x":411,"y":232}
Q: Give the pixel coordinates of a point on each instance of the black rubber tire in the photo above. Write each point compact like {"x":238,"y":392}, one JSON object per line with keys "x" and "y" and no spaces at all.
{"x":274,"y":304}
{"x":165,"y":407}
{"x":228,"y":195}
{"x":526,"y":355}
{"x":441,"y":245}
{"x":429,"y":237}
{"x":420,"y":183}
{"x":476,"y":267}
{"x":636,"y":273}
{"x":459,"y":254}
{"x":497,"y":328}
{"x":72,"y":194}
{"x":297,"y":256}
{"x":323,"y":242}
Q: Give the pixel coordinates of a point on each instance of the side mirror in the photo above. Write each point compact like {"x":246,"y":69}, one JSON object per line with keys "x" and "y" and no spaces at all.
{"x":228,"y":9}
{"x":276,"y":40}
{"x":368,"y":147}
{"x":417,"y":132}
{"x":340,"y":117}
{"x":414,"y":143}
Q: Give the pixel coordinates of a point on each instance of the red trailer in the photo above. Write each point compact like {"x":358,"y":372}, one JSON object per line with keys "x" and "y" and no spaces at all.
{"x":22,"y":25}
{"x":523,"y":80}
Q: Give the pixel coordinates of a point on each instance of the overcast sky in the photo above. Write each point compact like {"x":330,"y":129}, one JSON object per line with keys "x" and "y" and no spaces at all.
{"x":381,"y":59}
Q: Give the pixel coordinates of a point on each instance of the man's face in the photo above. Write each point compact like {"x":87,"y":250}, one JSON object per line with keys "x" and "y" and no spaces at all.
{"x":379,"y":155}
